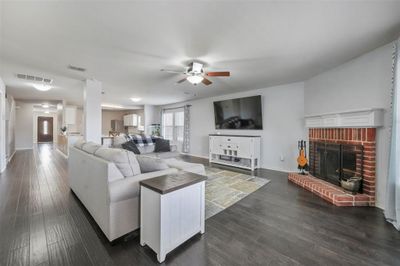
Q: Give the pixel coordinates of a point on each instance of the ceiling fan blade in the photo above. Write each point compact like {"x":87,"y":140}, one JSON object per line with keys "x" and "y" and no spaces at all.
{"x":173,"y":71}
{"x":206,"y":81}
{"x":180,"y":81}
{"x":219,"y":74}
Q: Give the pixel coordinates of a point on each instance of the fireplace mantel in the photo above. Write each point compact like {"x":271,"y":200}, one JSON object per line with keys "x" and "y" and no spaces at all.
{"x":364,"y":118}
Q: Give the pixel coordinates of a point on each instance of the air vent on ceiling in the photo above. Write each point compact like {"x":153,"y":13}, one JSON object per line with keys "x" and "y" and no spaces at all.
{"x":76,"y":68}
{"x":34,"y":78}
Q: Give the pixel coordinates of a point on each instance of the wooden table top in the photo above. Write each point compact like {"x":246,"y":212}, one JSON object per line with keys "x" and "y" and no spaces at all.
{"x":168,"y":183}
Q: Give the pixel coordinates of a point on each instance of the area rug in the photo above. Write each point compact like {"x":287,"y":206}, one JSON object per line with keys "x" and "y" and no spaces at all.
{"x":224,"y":188}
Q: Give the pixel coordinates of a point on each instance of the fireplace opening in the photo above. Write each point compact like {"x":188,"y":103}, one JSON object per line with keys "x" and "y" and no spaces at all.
{"x":335,"y":162}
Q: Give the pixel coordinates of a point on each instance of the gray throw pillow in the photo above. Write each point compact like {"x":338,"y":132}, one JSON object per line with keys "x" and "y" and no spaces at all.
{"x":125,"y":160}
{"x":162,"y":145}
{"x":131,"y":146}
{"x":149,"y":164}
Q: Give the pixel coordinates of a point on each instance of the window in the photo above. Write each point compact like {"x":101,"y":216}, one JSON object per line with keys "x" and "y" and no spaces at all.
{"x":45,"y":127}
{"x":172,"y":124}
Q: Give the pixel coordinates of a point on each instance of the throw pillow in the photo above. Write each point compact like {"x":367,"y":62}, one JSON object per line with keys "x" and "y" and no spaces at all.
{"x":131,"y":146}
{"x":91,"y":147}
{"x":125,"y":160}
{"x":162,"y":145}
{"x":149,"y":164}
{"x":79,"y":143}
{"x":118,"y":141}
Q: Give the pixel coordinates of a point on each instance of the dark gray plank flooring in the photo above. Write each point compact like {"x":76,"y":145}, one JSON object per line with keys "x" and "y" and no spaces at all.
{"x":43,"y":223}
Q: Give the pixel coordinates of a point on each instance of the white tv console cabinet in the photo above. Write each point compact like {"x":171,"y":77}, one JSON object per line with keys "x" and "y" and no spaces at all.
{"x":235,"y":150}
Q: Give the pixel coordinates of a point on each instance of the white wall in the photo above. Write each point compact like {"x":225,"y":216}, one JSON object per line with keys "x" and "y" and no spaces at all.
{"x":2,"y":126}
{"x":283,"y":124}
{"x":10,"y":127}
{"x":24,"y":126}
{"x":364,"y":82}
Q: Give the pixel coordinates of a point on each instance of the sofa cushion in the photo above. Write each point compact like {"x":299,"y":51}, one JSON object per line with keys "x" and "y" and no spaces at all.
{"x":146,"y":149}
{"x":196,"y":168}
{"x":162,"y":145}
{"x":129,"y":187}
{"x":79,"y":143}
{"x":163,"y":155}
{"x":125,"y":160}
{"x":149,"y":164}
{"x":118,"y":141}
{"x":131,"y":146}
{"x":91,"y":147}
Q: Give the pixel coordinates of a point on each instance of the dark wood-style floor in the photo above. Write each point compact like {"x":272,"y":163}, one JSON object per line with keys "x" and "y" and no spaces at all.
{"x":42,"y":223}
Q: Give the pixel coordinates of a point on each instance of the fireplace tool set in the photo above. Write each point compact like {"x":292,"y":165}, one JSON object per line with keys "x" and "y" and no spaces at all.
{"x":302,"y":158}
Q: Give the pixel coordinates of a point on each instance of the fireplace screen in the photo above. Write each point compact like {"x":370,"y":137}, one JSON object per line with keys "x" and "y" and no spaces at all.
{"x":334,"y":162}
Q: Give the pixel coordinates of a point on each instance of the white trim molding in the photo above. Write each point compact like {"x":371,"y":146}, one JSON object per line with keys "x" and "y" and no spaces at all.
{"x":369,"y":118}
{"x":12,"y":155}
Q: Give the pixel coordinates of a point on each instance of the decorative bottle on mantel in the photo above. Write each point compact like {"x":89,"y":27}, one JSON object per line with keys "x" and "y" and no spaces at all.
{"x":302,"y":159}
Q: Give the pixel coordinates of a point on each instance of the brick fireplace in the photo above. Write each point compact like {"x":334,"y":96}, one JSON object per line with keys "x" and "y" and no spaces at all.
{"x":347,"y":151}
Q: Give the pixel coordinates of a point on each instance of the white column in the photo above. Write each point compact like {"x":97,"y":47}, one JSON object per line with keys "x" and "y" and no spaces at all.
{"x":92,"y":110}
{"x":2,"y":126}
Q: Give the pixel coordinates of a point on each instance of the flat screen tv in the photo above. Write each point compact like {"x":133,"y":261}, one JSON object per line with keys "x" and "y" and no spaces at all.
{"x":240,"y":113}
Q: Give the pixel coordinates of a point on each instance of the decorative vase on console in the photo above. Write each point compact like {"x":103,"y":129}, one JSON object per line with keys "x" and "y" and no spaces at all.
{"x":64,"y":130}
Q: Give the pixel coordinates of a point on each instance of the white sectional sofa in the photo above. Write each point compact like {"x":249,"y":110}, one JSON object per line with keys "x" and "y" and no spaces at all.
{"x":110,"y":190}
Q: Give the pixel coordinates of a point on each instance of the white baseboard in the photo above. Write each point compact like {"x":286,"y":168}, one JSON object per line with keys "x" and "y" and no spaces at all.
{"x":24,"y":148}
{"x":279,"y":170}
{"x":12,"y":155}
{"x":63,"y":154}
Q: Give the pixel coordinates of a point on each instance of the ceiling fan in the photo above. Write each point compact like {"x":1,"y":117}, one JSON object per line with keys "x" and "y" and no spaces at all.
{"x":195,"y":74}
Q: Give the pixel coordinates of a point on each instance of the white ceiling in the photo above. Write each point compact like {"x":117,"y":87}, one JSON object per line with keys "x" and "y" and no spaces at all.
{"x":125,"y":44}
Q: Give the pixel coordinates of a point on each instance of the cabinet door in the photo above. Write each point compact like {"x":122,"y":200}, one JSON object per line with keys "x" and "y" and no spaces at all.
{"x":181,"y":214}
{"x":70,"y":115}
{"x":128,"y":120}
{"x":131,"y":120}
{"x":246,"y":146}
{"x":134,"y":120}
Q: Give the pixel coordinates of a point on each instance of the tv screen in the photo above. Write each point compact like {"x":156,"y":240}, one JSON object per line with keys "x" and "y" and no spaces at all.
{"x":240,"y":113}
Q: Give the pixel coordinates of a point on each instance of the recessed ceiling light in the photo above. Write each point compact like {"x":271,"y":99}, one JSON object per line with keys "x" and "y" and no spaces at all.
{"x":112,"y":106}
{"x":45,"y":105}
{"x":135,"y":100}
{"x":41,"y":87}
{"x":47,"y":112}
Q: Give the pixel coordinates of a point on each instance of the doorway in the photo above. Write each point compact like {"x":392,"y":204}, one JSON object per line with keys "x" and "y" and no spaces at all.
{"x":45,"y":129}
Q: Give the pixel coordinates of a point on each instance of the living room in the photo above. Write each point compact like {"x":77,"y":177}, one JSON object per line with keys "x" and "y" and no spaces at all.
{"x":203,"y":133}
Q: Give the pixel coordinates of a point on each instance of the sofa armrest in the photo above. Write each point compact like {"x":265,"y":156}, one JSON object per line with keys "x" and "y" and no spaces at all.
{"x":129,"y":187}
{"x":173,"y":147}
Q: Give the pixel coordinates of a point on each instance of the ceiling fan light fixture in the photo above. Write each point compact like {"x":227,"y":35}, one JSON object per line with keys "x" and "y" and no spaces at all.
{"x":195,"y":79}
{"x":135,"y":100}
{"x":42,"y":87}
